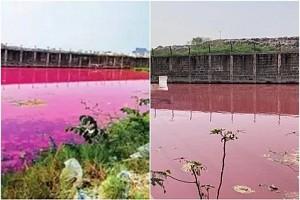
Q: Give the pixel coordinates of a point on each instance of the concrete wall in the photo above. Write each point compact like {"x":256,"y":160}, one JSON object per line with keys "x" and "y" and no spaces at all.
{"x":228,"y":68}
{"x":12,"y":56}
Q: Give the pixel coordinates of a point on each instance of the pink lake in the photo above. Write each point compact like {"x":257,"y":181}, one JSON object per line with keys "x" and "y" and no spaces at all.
{"x":64,"y":95}
{"x":181,"y":120}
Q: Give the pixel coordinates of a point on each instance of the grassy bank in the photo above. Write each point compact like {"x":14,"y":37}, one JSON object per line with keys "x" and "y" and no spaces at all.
{"x":141,"y":69}
{"x":213,"y":47}
{"x":116,"y":166}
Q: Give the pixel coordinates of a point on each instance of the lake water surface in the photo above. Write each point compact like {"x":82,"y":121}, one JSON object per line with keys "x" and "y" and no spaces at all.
{"x":40,"y":103}
{"x":181,"y":120}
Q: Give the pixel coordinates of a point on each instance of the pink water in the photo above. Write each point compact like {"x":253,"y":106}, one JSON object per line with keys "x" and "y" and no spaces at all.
{"x":182,"y":117}
{"x":50,"y":75}
{"x":26,"y":129}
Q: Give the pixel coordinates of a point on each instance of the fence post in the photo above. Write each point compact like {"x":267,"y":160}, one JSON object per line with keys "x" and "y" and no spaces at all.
{"x":280,"y":47}
{"x":208,"y":47}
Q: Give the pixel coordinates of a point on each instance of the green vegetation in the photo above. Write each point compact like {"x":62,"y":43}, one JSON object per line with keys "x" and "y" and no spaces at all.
{"x":117,"y":166}
{"x":141,"y":69}
{"x":216,"y":46}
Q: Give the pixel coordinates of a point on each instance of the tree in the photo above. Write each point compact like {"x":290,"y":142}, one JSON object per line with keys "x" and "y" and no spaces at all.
{"x":199,"y":40}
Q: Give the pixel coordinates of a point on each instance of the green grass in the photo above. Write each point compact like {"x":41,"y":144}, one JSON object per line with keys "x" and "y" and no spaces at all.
{"x":141,"y":69}
{"x":215,"y":47}
{"x":101,"y":163}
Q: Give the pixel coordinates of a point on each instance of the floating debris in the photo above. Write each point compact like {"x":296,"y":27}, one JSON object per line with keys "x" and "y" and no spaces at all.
{"x":291,"y":195}
{"x":292,"y":133}
{"x":290,"y":159}
{"x":29,"y":103}
{"x":271,"y":188}
{"x":243,"y":189}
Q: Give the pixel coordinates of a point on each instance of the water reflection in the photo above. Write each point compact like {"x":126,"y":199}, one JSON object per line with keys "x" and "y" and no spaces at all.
{"x":51,"y":75}
{"x":183,"y":117}
{"x":255,"y":99}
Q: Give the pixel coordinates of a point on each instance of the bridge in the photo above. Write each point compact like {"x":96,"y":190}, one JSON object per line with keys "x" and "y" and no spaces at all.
{"x":12,"y":56}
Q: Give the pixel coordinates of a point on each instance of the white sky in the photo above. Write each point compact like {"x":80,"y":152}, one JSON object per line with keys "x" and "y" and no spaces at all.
{"x":178,"y":22}
{"x":97,"y":26}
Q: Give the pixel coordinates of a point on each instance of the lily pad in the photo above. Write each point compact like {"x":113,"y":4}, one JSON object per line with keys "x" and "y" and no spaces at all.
{"x":243,"y":189}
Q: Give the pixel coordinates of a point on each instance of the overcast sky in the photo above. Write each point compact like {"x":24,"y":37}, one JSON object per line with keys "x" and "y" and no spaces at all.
{"x":179,"y":22}
{"x":102,"y":26}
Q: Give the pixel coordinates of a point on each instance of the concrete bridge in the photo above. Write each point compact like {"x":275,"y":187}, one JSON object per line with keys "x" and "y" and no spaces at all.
{"x":275,"y":67}
{"x":33,"y":57}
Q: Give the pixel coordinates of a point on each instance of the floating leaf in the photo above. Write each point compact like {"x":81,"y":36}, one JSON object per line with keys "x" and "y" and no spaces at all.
{"x":243,"y":189}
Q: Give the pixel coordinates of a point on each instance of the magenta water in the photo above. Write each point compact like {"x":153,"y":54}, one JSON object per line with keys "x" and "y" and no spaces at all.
{"x":181,"y":120}
{"x":21,"y":75}
{"x":33,"y":112}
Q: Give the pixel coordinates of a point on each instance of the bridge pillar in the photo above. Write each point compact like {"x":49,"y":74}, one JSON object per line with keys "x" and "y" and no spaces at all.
{"x":80,"y":61}
{"x":90,"y":61}
{"x":278,"y":68}
{"x":5,"y":56}
{"x":34,"y":57}
{"x":114,"y":62}
{"x":59,"y":59}
{"x":254,"y":68}
{"x":122,"y":62}
{"x":70,"y":59}
{"x":47,"y":59}
{"x":21,"y":57}
{"x":106,"y":60}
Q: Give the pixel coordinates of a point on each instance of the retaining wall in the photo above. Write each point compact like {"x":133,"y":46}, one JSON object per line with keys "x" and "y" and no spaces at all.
{"x":228,"y":68}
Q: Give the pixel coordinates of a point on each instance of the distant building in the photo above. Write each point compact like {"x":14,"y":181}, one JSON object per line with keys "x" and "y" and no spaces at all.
{"x":141,"y":52}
